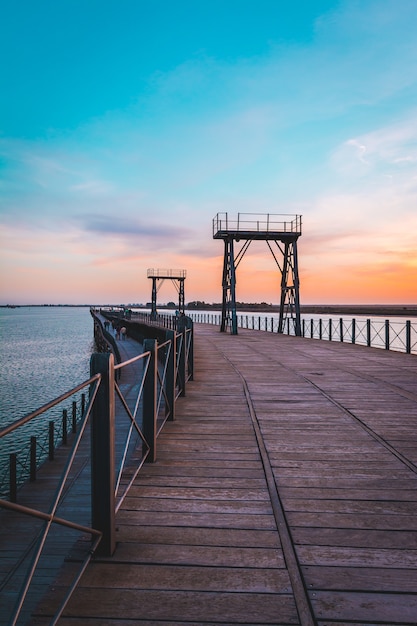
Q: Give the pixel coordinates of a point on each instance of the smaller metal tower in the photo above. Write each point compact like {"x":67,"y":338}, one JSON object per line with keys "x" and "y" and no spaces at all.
{"x":177,"y":277}
{"x":284,"y":230}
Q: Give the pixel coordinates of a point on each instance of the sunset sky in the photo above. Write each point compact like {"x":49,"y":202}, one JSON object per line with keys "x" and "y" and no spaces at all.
{"x":126,"y":126}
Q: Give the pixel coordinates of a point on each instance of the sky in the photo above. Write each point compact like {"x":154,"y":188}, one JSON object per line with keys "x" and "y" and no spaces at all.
{"x":126,"y":126}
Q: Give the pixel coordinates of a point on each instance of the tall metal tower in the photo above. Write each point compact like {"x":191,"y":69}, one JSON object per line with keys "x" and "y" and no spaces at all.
{"x":177,"y":277}
{"x":281,"y":230}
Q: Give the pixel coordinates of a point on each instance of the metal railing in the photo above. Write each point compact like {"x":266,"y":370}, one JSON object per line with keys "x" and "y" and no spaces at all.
{"x":163,"y":273}
{"x":385,"y":334}
{"x":54,"y":428}
{"x":257,"y":223}
{"x":124,"y":426}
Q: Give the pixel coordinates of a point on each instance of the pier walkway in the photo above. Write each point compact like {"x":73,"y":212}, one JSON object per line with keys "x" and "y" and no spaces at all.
{"x":285,"y":492}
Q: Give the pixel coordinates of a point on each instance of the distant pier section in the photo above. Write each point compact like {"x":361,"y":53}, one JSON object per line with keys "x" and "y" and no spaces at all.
{"x":177,"y":277}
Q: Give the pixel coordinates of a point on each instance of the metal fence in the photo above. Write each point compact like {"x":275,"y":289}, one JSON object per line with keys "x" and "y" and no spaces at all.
{"x":44,"y":520}
{"x":376,"y":333}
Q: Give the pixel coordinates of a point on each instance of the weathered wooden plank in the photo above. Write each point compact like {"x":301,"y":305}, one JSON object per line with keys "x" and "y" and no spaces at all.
{"x":357,"y":557}
{"x":340,"y":520}
{"x":369,"y":494}
{"x":204,"y":520}
{"x":199,"y":493}
{"x":365,"y":607}
{"x":345,"y":505}
{"x":186,"y":578}
{"x":194,"y":535}
{"x":228,"y":608}
{"x":175,"y":505}
{"x":365,"y":578}
{"x":356,"y":537}
{"x":240,"y":556}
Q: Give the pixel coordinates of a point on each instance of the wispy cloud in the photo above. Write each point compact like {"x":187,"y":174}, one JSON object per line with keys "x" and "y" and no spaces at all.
{"x":306,"y":128}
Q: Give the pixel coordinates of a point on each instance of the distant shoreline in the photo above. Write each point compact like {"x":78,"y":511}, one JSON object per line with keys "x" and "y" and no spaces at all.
{"x":379,"y":310}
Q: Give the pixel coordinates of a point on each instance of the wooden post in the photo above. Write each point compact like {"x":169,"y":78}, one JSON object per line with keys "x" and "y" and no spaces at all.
{"x":64,"y":426}
{"x":149,"y":400}
{"x":408,"y":337}
{"x":386,"y":334}
{"x":32,"y":459}
{"x":170,"y":375}
{"x":74,"y":417}
{"x":191,"y":352}
{"x":13,"y":477}
{"x":103,"y":453}
{"x":181,"y":363}
{"x":51,"y":442}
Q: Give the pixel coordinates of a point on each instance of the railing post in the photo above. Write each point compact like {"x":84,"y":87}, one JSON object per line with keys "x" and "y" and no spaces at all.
{"x":190,"y":364}
{"x":304,"y":327}
{"x":149,"y":399}
{"x":368,"y":333}
{"x":32,"y":468}
{"x":64,"y":426}
{"x":170,"y":375}
{"x":182,"y":360}
{"x":74,"y":416}
{"x":341,"y":329}
{"x":103,"y":453}
{"x":51,"y":440}
{"x":311,"y":328}
{"x":353,"y":330}
{"x":330,"y":329}
{"x":386,"y":334}
{"x":320,"y":328}
{"x":13,"y":477}
{"x":408,"y":336}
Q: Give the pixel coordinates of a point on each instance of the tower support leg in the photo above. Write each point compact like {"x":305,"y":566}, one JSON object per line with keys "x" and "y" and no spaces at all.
{"x":229,"y":316}
{"x":154,"y":290}
{"x":181,"y":297}
{"x":290,"y":290}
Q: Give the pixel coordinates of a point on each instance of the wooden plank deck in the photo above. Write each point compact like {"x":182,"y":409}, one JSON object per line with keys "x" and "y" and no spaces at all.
{"x":285,"y":492}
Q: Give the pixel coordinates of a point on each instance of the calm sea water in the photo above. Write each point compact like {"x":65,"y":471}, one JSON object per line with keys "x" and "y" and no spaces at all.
{"x":44,"y":352}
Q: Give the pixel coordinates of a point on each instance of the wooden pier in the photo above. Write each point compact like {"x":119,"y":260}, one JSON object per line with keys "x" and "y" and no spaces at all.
{"x":285,"y":492}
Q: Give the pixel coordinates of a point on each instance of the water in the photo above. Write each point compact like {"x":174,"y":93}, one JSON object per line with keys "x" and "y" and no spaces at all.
{"x":44,"y":352}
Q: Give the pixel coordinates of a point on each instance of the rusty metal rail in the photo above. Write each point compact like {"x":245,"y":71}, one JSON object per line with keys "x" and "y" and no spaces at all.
{"x":124,"y":426}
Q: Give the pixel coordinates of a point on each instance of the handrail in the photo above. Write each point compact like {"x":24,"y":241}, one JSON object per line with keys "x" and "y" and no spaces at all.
{"x":159,"y":379}
{"x":49,"y":405}
{"x":369,"y":332}
{"x":287,"y":223}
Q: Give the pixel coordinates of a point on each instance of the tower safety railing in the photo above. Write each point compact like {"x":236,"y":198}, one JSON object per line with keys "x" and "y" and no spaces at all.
{"x":115,"y":434}
{"x":387,"y":334}
{"x":255,"y":223}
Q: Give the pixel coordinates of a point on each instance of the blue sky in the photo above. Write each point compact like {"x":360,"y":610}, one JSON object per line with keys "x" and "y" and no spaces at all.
{"x":126,"y":126}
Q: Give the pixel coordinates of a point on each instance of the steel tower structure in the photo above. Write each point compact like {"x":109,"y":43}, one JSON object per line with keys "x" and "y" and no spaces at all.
{"x":281,"y":230}
{"x":177,"y":277}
